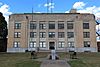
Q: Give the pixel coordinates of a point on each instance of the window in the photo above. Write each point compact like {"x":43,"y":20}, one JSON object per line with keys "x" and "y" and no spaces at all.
{"x":70,"y":34}
{"x":42,"y":44}
{"x":69,"y":25}
{"x":51,"y":34}
{"x":86,"y":43}
{"x":61,"y":35}
{"x":32,"y":25}
{"x":60,"y":25}
{"x":17,"y":34}
{"x":17,"y":26}
{"x":32,"y":44}
{"x":16,"y":44}
{"x":32,"y":34}
{"x":85,"y":25}
{"x":42,"y":26}
{"x":61,"y":44}
{"x":42,"y":34}
{"x":86,"y":34}
{"x":71,"y":44}
{"x":51,"y":26}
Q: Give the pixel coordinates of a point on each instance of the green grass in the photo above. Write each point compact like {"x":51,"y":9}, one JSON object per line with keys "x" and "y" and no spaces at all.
{"x":24,"y":59}
{"x":28,"y":64}
{"x":77,"y":63}
{"x":86,"y":60}
{"x":17,"y":60}
{"x":63,"y":55}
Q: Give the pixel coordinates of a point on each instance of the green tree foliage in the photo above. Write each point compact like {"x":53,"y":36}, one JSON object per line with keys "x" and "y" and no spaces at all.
{"x":3,"y":27}
{"x":3,"y":33}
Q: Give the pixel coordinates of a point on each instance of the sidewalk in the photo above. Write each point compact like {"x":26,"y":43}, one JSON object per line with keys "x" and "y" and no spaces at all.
{"x":54,"y":63}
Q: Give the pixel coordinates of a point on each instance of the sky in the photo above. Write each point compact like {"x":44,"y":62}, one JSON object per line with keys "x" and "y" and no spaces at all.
{"x":8,"y":7}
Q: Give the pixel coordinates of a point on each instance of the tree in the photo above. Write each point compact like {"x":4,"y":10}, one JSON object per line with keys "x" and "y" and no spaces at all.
{"x":3,"y":27}
{"x":3,"y":32}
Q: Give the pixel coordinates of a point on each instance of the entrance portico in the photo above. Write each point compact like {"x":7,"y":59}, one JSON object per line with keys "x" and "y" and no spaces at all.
{"x":51,"y":45}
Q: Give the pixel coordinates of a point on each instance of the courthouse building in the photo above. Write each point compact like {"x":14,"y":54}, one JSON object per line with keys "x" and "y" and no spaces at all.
{"x":47,"y":31}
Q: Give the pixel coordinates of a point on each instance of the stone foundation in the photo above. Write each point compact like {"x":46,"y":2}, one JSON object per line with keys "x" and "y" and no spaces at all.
{"x":58,"y":50}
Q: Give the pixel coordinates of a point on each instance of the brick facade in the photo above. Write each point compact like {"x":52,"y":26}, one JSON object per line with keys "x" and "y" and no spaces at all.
{"x":61,"y":31}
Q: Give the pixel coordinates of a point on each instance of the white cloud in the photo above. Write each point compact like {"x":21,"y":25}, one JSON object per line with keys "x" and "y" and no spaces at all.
{"x":79,"y":5}
{"x":49,"y":5}
{"x":37,"y":12}
{"x":66,"y":11}
{"x":93,"y":10}
{"x":83,"y":8}
{"x":4,"y":8}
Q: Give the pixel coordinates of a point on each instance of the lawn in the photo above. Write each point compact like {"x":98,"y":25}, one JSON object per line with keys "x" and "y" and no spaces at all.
{"x":18,"y":60}
{"x":86,"y":60}
{"x":24,"y":59}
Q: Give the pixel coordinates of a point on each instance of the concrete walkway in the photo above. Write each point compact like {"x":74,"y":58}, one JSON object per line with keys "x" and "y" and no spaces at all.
{"x":54,"y":63}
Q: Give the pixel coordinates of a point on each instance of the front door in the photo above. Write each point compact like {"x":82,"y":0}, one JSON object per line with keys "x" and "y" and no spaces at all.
{"x":51,"y":45}
{"x":98,"y":45}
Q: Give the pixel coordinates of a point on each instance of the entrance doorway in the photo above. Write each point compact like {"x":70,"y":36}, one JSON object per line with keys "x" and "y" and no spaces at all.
{"x":51,"y":45}
{"x":98,"y":45}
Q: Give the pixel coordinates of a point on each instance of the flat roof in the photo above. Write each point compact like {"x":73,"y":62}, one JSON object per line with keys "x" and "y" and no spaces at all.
{"x":48,"y":13}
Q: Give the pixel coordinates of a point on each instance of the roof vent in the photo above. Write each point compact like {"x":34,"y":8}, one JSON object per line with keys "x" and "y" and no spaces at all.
{"x":73,"y":11}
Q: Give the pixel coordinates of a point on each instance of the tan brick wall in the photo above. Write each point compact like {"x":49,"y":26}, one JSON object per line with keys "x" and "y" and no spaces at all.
{"x":77,"y":19}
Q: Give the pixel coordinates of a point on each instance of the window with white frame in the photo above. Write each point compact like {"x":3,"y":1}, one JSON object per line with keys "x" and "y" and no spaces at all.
{"x":33,"y":25}
{"x":17,"y":25}
{"x":71,"y":44}
{"x":70,"y":25}
{"x":86,"y":43}
{"x":51,"y":25}
{"x":85,"y":25}
{"x":86,"y":34}
{"x":42,"y":26}
{"x":70,"y":34}
{"x":60,"y":25}
{"x":42,"y":34}
{"x":33,"y":34}
{"x":16,"y":44}
{"x":42,"y":44}
{"x":61,"y":44}
{"x":17,"y":34}
{"x":32,"y":44}
{"x":51,"y":34}
{"x":61,"y":34}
